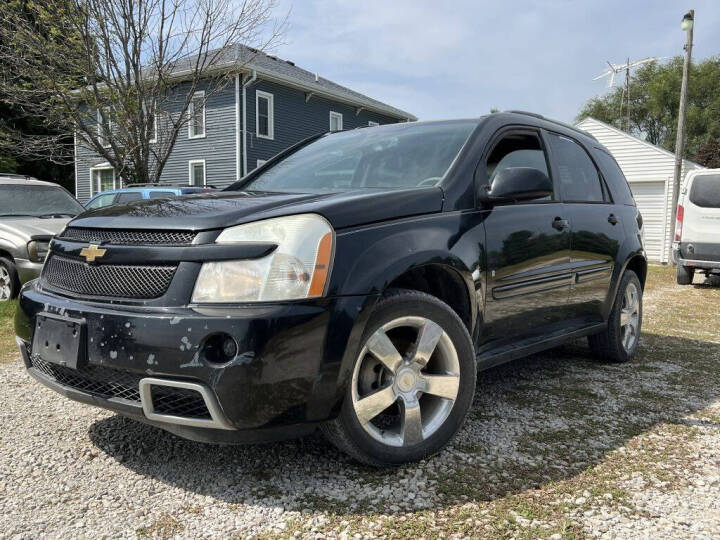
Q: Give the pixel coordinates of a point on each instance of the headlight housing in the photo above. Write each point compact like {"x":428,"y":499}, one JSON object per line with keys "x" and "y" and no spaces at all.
{"x":298,"y":268}
{"x":38,"y":250}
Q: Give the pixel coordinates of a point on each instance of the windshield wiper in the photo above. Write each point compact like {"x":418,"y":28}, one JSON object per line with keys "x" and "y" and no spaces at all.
{"x":17,"y":215}
{"x":58,"y":214}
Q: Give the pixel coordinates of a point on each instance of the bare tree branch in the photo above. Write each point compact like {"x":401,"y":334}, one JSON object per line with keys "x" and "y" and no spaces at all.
{"x":122,"y":73}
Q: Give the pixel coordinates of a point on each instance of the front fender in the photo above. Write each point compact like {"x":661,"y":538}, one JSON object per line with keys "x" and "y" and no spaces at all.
{"x":369,"y":258}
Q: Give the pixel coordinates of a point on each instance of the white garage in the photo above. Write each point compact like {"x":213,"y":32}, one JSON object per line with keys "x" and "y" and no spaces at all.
{"x":649,"y":170}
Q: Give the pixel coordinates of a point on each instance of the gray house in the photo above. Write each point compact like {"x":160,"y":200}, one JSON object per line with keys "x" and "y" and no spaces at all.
{"x":271,"y":105}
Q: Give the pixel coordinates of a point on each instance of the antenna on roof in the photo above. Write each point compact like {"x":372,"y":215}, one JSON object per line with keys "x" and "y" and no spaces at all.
{"x":626,"y":67}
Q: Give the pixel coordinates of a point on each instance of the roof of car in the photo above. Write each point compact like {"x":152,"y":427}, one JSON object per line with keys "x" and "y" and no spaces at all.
{"x":140,"y":189}
{"x":16,"y":179}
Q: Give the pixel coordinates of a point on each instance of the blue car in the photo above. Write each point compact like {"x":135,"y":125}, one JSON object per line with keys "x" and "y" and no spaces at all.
{"x":139,"y":192}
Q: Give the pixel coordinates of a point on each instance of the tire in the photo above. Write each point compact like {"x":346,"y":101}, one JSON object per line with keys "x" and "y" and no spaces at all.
{"x":9,"y":282}
{"x":418,"y":422}
{"x":685,"y":275}
{"x":614,"y":344}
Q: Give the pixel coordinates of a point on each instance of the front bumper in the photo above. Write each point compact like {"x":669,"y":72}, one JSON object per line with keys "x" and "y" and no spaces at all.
{"x":27,"y":270}
{"x":285,"y":379}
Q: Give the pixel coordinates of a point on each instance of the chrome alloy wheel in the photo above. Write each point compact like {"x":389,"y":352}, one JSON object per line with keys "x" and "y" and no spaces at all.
{"x":405,"y":382}
{"x":630,"y":317}
{"x":5,"y":289}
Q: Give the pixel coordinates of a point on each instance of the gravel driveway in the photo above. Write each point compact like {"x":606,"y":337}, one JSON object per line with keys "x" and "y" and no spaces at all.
{"x":557,"y":446}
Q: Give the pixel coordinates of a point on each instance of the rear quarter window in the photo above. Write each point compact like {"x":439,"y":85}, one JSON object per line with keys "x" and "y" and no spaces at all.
{"x":705,"y":191}
{"x":614,"y":177}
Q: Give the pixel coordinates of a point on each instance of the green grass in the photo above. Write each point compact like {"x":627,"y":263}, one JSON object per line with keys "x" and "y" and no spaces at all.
{"x":7,"y":335}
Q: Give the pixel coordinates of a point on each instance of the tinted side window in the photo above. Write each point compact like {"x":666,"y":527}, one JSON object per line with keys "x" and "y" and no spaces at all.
{"x":578,"y":178}
{"x":516,"y":150}
{"x":102,"y":200}
{"x":705,"y":191}
{"x":162,"y":195}
{"x":128,"y":197}
{"x":614,"y":177}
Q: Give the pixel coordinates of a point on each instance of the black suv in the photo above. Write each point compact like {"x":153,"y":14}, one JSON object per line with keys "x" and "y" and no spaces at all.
{"x":354,"y":283}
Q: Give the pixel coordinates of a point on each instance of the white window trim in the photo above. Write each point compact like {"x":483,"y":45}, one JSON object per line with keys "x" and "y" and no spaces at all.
{"x":339,"y":116}
{"x":372,"y":123}
{"x":260,"y":163}
{"x":191,"y":114}
{"x":190,"y":171}
{"x":100,"y":134}
{"x":154,"y":137}
{"x":271,"y":114}
{"x":155,"y":129}
{"x":95,"y":188}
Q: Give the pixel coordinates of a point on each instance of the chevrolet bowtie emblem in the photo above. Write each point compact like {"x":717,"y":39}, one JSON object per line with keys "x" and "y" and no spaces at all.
{"x":92,"y":252}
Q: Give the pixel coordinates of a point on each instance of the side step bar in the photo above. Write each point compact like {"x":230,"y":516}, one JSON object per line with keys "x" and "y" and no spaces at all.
{"x":217,"y":419}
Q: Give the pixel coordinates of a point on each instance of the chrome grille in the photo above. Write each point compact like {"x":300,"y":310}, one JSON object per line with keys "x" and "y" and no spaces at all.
{"x":117,"y":281}
{"x":126,"y":237}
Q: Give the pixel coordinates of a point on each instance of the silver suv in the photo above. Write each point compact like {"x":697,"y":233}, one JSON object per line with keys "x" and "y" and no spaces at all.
{"x":31,"y":213}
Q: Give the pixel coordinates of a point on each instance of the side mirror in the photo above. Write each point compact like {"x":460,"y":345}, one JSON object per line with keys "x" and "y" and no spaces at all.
{"x":519,"y":184}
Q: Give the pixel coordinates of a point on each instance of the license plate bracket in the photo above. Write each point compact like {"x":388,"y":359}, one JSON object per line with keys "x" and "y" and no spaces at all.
{"x":60,"y":340}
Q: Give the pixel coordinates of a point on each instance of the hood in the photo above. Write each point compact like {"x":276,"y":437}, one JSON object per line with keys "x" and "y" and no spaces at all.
{"x":226,"y":208}
{"x":27,"y":227}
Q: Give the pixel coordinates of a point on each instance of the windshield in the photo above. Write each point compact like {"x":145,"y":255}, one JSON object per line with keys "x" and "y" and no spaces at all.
{"x":394,"y":157}
{"x":37,"y":201}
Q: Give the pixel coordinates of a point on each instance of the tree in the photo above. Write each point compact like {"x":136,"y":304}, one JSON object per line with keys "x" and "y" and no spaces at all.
{"x":122,"y":73}
{"x":654,"y":104}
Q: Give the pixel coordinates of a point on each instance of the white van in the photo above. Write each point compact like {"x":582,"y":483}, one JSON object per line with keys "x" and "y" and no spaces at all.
{"x":697,"y":231}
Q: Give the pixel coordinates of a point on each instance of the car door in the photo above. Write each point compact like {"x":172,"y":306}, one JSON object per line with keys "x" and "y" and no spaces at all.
{"x":597,"y":229}
{"x":527,"y":250}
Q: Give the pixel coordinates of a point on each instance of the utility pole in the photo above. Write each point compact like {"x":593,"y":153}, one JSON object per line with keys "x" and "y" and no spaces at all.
{"x":688,"y":23}
{"x":627,"y":89}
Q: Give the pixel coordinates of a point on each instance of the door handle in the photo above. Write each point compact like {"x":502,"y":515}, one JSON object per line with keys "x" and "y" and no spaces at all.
{"x":612,"y":219}
{"x":560,"y":224}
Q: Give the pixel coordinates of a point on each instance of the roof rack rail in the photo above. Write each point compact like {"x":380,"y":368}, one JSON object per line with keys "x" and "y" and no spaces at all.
{"x":155,"y":184}
{"x":14,"y":176}
{"x":558,"y":122}
{"x":527,"y":113}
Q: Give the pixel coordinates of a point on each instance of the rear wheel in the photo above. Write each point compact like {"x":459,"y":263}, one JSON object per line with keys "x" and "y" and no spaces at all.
{"x":685,"y":274}
{"x":9,"y":282}
{"x":619,"y":341}
{"x":412,"y":383}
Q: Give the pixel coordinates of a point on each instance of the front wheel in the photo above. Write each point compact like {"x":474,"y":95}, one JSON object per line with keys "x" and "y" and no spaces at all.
{"x":412,"y":383}
{"x":9,"y":282}
{"x":619,"y":341}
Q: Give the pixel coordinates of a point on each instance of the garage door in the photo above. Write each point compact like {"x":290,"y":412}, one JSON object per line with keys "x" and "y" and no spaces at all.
{"x":652,"y":203}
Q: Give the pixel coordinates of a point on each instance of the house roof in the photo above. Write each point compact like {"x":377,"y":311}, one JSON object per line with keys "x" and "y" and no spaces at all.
{"x":270,"y":67}
{"x":584,"y":121}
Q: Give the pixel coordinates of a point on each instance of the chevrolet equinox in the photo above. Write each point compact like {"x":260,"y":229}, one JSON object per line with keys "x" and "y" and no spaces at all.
{"x":355,"y":283}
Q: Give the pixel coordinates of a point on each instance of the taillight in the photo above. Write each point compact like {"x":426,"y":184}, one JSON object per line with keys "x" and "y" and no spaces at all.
{"x":679,"y":222}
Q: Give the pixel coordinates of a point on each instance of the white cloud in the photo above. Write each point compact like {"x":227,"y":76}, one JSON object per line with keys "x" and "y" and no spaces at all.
{"x":460,"y":58}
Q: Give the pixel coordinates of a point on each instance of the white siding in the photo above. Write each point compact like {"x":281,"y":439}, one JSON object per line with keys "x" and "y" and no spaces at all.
{"x":649,"y":170}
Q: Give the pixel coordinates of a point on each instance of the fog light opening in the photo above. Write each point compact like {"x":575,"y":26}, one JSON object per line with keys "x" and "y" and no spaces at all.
{"x":220,"y":348}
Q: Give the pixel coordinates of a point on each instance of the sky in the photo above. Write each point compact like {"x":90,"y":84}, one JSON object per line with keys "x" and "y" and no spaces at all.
{"x":460,"y":58}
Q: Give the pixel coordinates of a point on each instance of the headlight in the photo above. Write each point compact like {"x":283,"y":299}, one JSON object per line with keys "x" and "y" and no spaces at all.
{"x":298,"y":268}
{"x":37,"y":250}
